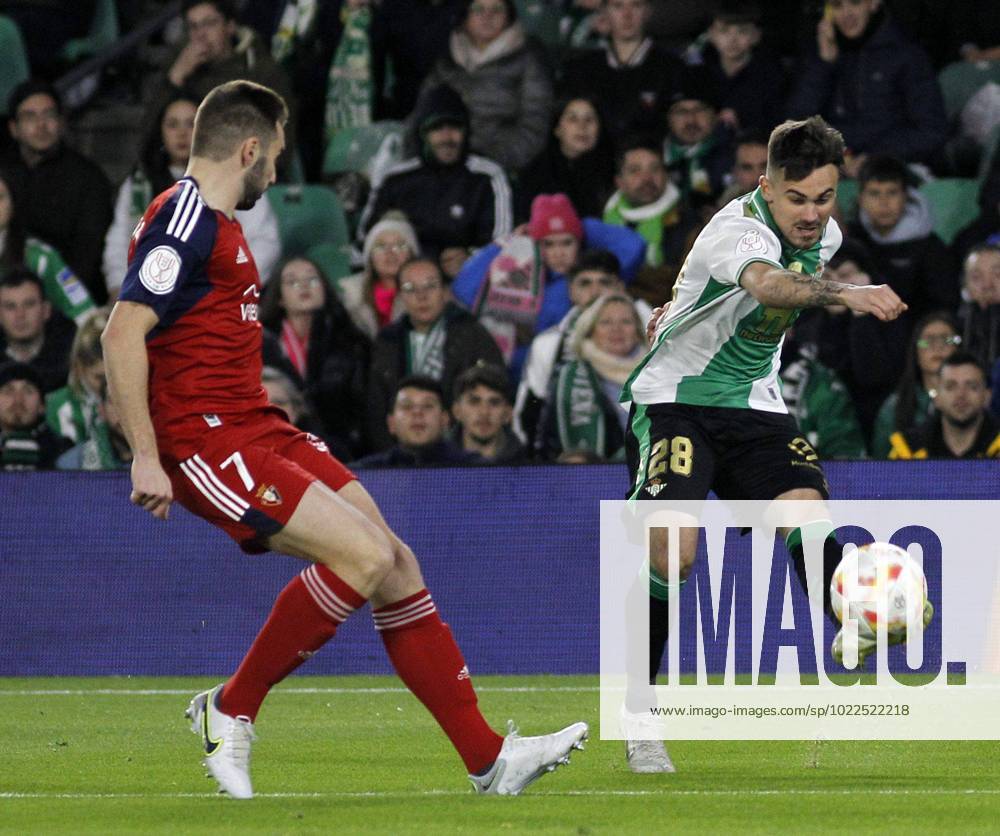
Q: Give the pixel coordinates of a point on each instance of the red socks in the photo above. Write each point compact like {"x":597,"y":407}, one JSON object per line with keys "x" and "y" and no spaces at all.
{"x":304,"y":618}
{"x":430,"y":664}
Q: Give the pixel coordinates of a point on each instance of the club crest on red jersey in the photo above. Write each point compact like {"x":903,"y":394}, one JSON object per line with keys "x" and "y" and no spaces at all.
{"x":268,"y":495}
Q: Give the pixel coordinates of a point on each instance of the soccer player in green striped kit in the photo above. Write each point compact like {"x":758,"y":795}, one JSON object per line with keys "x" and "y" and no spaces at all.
{"x":707,"y":412}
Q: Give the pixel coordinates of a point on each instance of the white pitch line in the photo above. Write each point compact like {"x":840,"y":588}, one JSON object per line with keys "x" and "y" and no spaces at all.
{"x":77,"y":796}
{"x":156,"y":692}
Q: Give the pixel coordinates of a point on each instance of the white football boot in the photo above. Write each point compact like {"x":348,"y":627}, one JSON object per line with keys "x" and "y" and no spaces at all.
{"x":526,"y":759}
{"x":866,"y":640}
{"x":227,"y":743}
{"x":644,"y":749}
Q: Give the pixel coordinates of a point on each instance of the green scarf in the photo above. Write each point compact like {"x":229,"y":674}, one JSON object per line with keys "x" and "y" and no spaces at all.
{"x":687,"y":159}
{"x":792,"y":258}
{"x":297,"y":17}
{"x":349,"y":91}
{"x":579,"y":417}
{"x":648,"y":221}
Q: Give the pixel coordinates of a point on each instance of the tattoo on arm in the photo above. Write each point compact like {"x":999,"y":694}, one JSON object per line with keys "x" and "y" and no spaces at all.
{"x":814,"y":292}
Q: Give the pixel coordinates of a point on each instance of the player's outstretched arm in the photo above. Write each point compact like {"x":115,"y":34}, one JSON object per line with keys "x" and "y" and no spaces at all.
{"x":127,"y":366}
{"x":787,"y":289}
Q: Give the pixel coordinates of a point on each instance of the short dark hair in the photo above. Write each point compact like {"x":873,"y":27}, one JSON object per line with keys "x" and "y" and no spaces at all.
{"x":483,"y":374}
{"x":18,"y":276}
{"x":798,"y":148}
{"x":28,"y":88}
{"x":639,"y":142}
{"x":982,"y":247}
{"x":234,"y":112}
{"x":964,"y":358}
{"x":750,"y":138}
{"x":884,"y":169}
{"x":421,"y":382}
{"x":224,"y":7}
{"x":596,"y":259}
{"x":737,"y":11}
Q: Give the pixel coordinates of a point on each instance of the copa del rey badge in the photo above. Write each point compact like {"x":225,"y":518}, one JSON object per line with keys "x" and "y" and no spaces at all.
{"x":751,"y":242}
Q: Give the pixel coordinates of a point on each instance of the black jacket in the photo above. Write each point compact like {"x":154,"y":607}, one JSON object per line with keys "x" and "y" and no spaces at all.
{"x":881,"y":93}
{"x":927,"y":442}
{"x":334,"y":384}
{"x":440,"y":454}
{"x":588,"y":181}
{"x":66,"y":201}
{"x":633,"y":97}
{"x":466,"y":343}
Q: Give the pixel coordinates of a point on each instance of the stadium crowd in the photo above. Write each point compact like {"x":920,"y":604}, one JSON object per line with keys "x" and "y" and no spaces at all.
{"x":481,"y":200}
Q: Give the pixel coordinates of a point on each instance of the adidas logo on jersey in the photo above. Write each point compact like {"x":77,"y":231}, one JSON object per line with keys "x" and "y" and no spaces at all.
{"x":241,"y":257}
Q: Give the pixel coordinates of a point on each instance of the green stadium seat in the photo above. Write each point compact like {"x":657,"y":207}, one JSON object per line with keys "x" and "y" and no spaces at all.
{"x":847,"y":199}
{"x":541,"y":18}
{"x":954,"y":202}
{"x":960,"y":80}
{"x":307,"y":215}
{"x":103,"y":32}
{"x":333,"y":259}
{"x":14,"y":66}
{"x":353,"y":149}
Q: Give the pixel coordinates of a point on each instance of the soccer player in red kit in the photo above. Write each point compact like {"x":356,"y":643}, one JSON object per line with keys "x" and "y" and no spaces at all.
{"x":183,"y":355}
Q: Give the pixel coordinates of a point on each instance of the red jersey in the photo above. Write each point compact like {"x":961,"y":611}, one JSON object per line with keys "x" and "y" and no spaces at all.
{"x":193,"y":267}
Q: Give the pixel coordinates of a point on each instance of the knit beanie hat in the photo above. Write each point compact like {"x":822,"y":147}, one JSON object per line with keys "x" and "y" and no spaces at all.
{"x":553,"y":214}
{"x":391,"y":222}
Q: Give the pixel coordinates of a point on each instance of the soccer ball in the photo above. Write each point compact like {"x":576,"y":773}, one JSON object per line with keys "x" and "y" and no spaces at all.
{"x":875,"y":572}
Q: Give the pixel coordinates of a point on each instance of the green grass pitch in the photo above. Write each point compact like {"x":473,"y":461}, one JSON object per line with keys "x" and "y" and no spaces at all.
{"x":360,"y":755}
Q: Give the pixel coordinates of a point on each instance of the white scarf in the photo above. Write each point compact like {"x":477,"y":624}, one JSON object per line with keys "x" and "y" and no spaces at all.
{"x":470,"y":59}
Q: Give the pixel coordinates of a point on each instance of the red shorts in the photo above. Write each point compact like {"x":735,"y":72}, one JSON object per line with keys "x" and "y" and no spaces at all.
{"x":248,"y":477}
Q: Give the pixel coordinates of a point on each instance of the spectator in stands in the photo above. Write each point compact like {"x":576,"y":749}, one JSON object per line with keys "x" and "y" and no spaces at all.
{"x":408,"y":38}
{"x":418,"y":423}
{"x":751,"y":81}
{"x":26,"y":442}
{"x":63,"y":288}
{"x":651,"y":204}
{"x":582,"y":409}
{"x":218,"y":50}
{"x":106,"y":448}
{"x":27,"y":333}
{"x":310,"y":337}
{"x":372,"y":296}
{"x":749,"y":164}
{"x":934,"y":339}
{"x":632,"y":78}
{"x":962,"y":428}
{"x":72,"y":411}
{"x":455,"y":200}
{"x":162,"y":161}
{"x":64,"y":198}
{"x":980,"y":311}
{"x":516,"y":296}
{"x":578,"y":161}
{"x":845,"y":342}
{"x":595,"y":272}
{"x":47,"y":26}
{"x":873,"y":83}
{"x":698,"y":149}
{"x":819,"y":402}
{"x":284,"y":394}
{"x":435,"y":338}
{"x":483,"y":408}
{"x":502,"y":76}
{"x":986,"y":227}
{"x":895,"y":225}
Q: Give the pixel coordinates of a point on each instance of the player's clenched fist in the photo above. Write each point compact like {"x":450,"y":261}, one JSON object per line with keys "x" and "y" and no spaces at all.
{"x":879,"y":300}
{"x":654,"y":320}
{"x":151,"y":488}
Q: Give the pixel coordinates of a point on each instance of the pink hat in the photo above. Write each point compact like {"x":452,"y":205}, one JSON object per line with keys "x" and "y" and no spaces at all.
{"x":553,"y":214}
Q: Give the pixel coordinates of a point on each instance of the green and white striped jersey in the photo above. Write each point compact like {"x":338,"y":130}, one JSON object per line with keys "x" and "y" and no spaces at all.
{"x":717,"y":345}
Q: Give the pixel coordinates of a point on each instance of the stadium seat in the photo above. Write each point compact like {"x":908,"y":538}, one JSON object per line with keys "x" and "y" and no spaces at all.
{"x":354,"y":149}
{"x":541,"y":19}
{"x":954,"y":202}
{"x":959,"y":81}
{"x":847,"y":199}
{"x":14,"y":66}
{"x":333,"y":259}
{"x":307,"y":215}
{"x":103,"y":32}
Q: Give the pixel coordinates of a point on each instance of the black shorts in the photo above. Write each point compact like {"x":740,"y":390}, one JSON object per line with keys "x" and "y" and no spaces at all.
{"x":679,"y":451}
